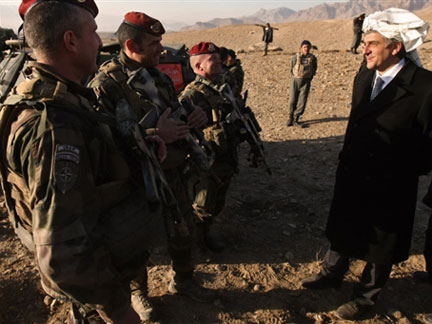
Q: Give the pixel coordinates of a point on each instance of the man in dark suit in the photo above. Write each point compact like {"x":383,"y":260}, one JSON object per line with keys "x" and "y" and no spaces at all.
{"x":388,"y":145}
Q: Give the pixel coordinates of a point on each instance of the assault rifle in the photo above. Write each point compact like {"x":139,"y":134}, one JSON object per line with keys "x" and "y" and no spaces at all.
{"x":197,"y":147}
{"x":156,"y":185}
{"x":11,"y":66}
{"x":248,"y":127}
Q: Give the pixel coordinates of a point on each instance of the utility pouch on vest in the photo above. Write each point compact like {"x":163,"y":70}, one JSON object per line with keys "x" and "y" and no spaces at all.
{"x":205,"y":197}
{"x":216,"y":134}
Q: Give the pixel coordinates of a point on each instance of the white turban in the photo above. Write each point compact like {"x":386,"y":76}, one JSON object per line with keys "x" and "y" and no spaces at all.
{"x":399,"y":24}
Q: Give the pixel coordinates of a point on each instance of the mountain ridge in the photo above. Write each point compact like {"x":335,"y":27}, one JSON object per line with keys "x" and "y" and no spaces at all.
{"x":323,"y":11}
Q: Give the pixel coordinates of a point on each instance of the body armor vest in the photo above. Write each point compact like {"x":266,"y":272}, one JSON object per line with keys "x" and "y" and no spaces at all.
{"x":303,"y":67}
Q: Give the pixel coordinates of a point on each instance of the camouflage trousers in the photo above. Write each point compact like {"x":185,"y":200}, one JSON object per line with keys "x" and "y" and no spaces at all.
{"x":180,"y":245}
{"x":210,"y":196}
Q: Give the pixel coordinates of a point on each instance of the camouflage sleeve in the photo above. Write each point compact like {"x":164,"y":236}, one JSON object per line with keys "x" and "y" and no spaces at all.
{"x":169,"y":83}
{"x":107,"y":91}
{"x":239,"y":75}
{"x":198,"y":99}
{"x":56,"y":163}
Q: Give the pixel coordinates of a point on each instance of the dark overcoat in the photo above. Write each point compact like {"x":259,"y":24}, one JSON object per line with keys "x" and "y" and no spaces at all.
{"x":387,"y":146}
{"x":267,"y":34}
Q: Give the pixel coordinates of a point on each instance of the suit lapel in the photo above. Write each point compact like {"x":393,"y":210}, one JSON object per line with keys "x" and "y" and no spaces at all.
{"x":394,"y":91}
{"x":362,"y":90}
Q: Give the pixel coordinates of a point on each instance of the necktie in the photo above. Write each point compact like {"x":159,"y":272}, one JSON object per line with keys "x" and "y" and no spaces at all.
{"x":377,"y":88}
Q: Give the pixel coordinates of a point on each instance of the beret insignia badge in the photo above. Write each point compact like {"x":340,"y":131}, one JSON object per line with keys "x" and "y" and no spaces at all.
{"x":156,"y":28}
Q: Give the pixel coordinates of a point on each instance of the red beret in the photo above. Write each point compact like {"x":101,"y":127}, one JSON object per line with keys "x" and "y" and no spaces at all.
{"x":89,"y":5}
{"x":203,"y":48}
{"x":142,"y":21}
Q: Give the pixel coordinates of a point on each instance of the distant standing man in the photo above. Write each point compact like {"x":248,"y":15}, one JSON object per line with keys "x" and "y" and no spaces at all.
{"x":303,"y":69}
{"x":388,"y":145}
{"x":267,"y":35}
{"x":357,"y":32}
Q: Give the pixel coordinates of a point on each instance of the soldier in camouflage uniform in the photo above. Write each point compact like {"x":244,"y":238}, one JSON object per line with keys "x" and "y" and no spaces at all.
{"x":236,"y":69}
{"x":232,"y":70}
{"x":133,"y":76}
{"x":72,"y":193}
{"x":216,"y":98}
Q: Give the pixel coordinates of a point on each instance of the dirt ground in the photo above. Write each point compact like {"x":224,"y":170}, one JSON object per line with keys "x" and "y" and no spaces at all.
{"x":273,"y":225}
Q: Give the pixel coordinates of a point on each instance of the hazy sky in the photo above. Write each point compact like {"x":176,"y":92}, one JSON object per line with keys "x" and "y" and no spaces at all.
{"x":168,"y":11}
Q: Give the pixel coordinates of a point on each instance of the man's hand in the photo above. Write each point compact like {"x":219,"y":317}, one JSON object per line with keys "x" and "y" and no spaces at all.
{"x":171,"y":130}
{"x":162,"y":149}
{"x":197,"y":118}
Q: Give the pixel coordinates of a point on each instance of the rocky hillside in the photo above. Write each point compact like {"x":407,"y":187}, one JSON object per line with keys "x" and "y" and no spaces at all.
{"x":260,"y":17}
{"x":348,"y":9}
{"x":327,"y":35}
{"x":353,"y":8}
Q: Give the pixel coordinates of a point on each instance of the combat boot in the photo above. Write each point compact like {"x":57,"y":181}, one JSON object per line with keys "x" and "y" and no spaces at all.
{"x":190,"y":288}
{"x":320,"y":281}
{"x":141,"y":304}
{"x":77,"y":315}
{"x":139,"y":298}
{"x":297,"y":123}
{"x":352,"y":309}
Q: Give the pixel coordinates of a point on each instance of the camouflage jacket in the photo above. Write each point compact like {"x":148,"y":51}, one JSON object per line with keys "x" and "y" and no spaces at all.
{"x":216,"y":99}
{"x":229,"y":78}
{"x":65,"y":180}
{"x":237,"y":72}
{"x":115,"y":80}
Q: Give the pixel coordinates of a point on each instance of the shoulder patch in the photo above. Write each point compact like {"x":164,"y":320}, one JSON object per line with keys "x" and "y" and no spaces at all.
{"x":67,"y":159}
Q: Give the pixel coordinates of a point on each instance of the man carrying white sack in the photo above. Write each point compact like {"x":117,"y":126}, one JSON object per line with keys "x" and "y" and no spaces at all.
{"x":388,"y":145}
